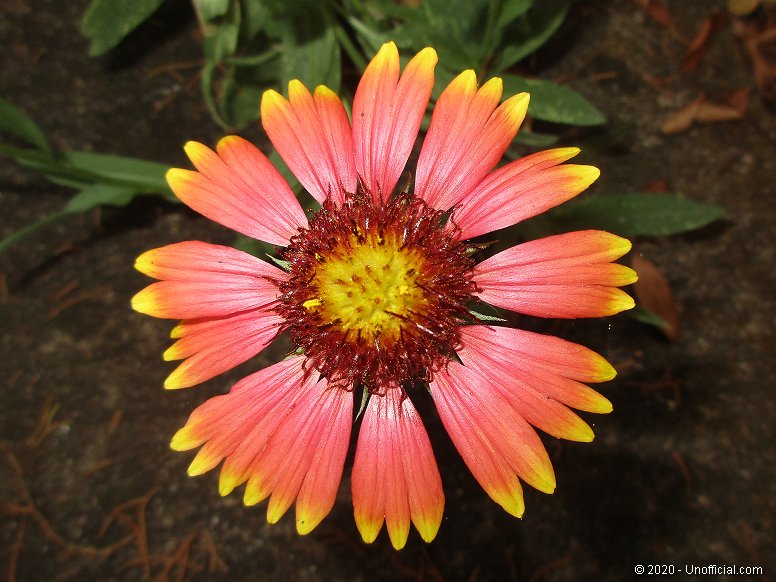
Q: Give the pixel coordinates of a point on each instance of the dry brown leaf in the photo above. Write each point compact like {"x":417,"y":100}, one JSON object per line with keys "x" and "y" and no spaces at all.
{"x":739,"y":100}
{"x":713,"y":113}
{"x":701,"y":110}
{"x":658,"y":12}
{"x":702,"y":41}
{"x":654,"y":293}
{"x":683,"y":119}
{"x":758,"y":33}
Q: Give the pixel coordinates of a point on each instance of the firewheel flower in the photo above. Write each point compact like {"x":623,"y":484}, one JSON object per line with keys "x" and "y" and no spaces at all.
{"x":380,"y":293}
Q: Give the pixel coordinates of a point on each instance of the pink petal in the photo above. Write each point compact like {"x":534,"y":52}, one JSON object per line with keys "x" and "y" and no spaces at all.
{"x":395,"y":477}
{"x":522,"y":189}
{"x":551,"y":366}
{"x":282,"y":432}
{"x":305,"y":457}
{"x":212,"y":346}
{"x":256,"y":403}
{"x":469,"y":134}
{"x":387,"y":112}
{"x":495,"y":441}
{"x":201,"y":280}
{"x":568,"y":275}
{"x":312,"y":135}
{"x":239,"y":188}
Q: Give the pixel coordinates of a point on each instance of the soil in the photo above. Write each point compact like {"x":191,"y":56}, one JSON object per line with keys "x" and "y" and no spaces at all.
{"x":682,"y":473}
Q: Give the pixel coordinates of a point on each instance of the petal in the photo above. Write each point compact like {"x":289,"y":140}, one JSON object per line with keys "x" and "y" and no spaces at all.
{"x":537,"y":408}
{"x":468,"y":135}
{"x":305,"y":457}
{"x":495,"y":441}
{"x":395,"y":476}
{"x":550,"y":365}
{"x":387,"y":112}
{"x":567,"y":275}
{"x":312,"y":135}
{"x":256,"y":403}
{"x":522,"y":189}
{"x":214,"y":345}
{"x":281,"y":431}
{"x":204,"y":280}
{"x":239,"y":188}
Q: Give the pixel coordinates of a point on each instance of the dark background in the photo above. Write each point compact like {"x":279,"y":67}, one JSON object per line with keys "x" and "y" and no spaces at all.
{"x":682,"y":472}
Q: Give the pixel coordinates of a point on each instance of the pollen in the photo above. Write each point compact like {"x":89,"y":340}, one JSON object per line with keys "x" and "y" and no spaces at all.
{"x":377,"y":291}
{"x":369,"y":289}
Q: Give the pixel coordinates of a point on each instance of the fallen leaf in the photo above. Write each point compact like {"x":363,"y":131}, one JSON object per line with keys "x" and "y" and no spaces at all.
{"x":739,"y":100}
{"x":758,"y":33}
{"x":713,"y":113}
{"x":658,"y":12}
{"x":683,"y":119}
{"x":701,"y":110}
{"x":654,"y":293}
{"x":702,"y":41}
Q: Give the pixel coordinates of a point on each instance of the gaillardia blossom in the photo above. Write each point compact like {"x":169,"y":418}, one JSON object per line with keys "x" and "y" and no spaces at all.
{"x":379,"y":291}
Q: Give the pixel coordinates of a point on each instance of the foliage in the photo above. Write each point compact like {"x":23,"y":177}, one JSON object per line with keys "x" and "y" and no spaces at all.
{"x":101,"y":179}
{"x":250,"y":45}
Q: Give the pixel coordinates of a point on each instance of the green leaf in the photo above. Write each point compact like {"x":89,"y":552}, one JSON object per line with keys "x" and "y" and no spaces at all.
{"x":511,"y":10}
{"x":98,"y":195}
{"x":107,"y":22}
{"x":453,"y":28}
{"x":533,"y":139}
{"x":635,"y":214}
{"x":141,"y":175}
{"x":14,"y":121}
{"x":222,"y":34}
{"x":210,"y":9}
{"x":311,"y":52}
{"x":26,"y":231}
{"x":255,"y":17}
{"x":370,"y":40}
{"x":530,"y":31}
{"x":644,"y":315}
{"x":553,"y":102}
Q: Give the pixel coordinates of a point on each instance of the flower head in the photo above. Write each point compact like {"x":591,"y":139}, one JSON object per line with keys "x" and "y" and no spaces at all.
{"x":377,"y":291}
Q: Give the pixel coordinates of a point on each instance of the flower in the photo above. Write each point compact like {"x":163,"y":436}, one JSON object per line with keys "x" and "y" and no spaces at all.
{"x":376,"y":292}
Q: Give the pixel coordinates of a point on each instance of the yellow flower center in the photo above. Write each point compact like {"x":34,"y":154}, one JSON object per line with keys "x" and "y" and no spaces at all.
{"x":376,"y":291}
{"x":368,"y":289}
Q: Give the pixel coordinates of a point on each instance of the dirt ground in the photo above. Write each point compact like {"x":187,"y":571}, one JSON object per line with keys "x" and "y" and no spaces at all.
{"x":682,"y":473}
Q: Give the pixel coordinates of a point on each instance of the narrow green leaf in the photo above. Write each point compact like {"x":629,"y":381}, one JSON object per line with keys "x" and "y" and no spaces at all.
{"x":14,"y":121}
{"x":553,"y":102}
{"x":484,"y":317}
{"x":534,"y":139}
{"x":644,"y":315}
{"x":99,"y":195}
{"x":107,"y":22}
{"x":635,"y":214}
{"x":530,"y":31}
{"x":210,"y":9}
{"x":26,"y":231}
{"x":511,"y":10}
{"x":370,"y":40}
{"x":142,"y":175}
